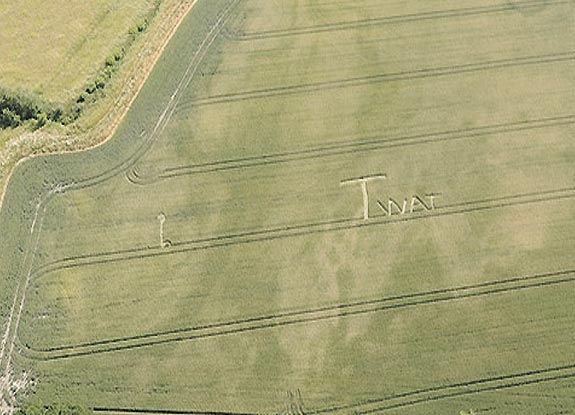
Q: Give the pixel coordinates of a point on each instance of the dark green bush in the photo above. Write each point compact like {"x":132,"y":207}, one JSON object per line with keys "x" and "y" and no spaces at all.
{"x":9,"y":119}
{"x":18,"y":107}
{"x":110,"y":61}
{"x":41,"y":120}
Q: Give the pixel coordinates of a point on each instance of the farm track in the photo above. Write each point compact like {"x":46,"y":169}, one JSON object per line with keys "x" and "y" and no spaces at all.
{"x":423,"y":73}
{"x":10,"y":337}
{"x":407,"y":399}
{"x":135,"y":175}
{"x":397,"y":19}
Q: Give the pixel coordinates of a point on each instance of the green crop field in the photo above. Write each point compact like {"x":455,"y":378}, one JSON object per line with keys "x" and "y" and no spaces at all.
{"x":368,"y":205}
{"x":52,"y":48}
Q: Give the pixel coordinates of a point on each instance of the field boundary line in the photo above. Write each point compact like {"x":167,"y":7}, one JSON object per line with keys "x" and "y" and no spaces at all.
{"x":422,"y":73}
{"x":387,"y":20}
{"x":366,"y":144}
